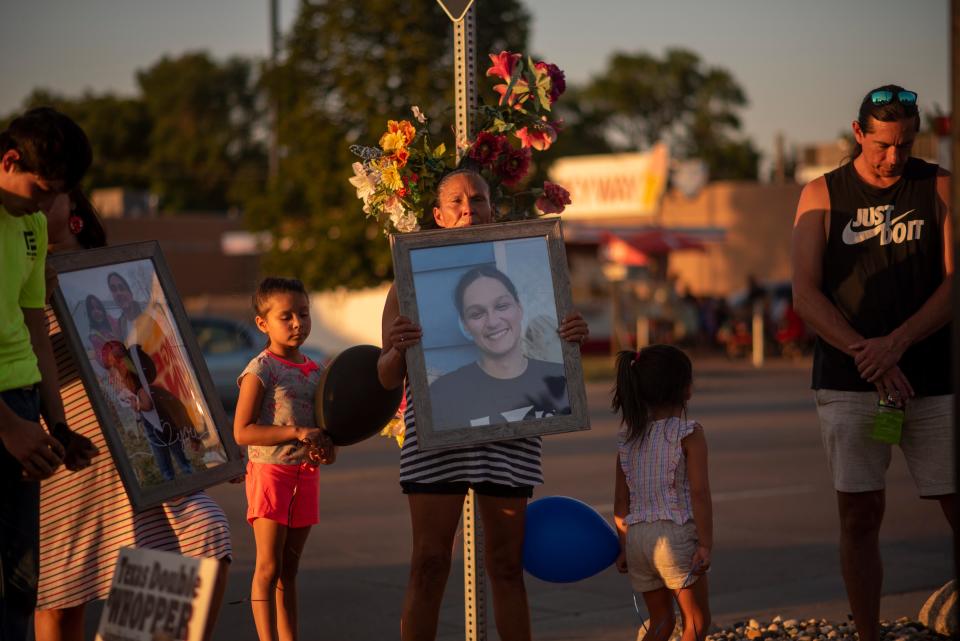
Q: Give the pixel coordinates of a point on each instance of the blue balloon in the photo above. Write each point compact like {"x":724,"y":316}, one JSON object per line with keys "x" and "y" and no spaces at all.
{"x":566,"y":540}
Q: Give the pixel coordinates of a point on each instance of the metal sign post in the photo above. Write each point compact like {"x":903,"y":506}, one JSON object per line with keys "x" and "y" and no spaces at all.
{"x":456,"y":9}
{"x":465,"y":75}
{"x":463,"y":13}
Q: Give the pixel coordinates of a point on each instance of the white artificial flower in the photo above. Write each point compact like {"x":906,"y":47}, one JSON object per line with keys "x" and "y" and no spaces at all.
{"x":418,"y":114}
{"x":406,"y":223}
{"x":394,"y":208}
{"x":365,"y":184}
{"x":403,"y":220}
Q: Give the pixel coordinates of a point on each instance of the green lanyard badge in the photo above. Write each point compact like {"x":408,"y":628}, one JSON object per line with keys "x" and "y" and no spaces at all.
{"x":888,"y":423}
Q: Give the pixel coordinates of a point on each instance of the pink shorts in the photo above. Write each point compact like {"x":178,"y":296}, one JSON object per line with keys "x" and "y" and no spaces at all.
{"x":287,"y":494}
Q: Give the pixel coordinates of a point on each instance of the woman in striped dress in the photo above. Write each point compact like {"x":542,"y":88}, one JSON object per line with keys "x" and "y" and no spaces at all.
{"x":86,"y":516}
{"x":502,"y":474}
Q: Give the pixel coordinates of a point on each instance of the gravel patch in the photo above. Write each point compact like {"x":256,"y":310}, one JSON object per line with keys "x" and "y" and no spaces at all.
{"x":903,"y":629}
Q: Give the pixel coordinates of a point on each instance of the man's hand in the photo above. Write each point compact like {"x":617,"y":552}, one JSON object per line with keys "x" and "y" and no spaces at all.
{"x":894,"y":386}
{"x":78,"y":449}
{"x":39,"y":453}
{"x":874,"y":356}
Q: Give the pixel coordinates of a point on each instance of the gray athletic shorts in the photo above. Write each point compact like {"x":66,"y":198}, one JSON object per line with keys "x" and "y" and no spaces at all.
{"x":859,"y":463}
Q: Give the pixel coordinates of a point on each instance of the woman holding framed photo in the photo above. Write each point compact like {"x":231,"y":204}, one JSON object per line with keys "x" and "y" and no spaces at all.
{"x":502,"y":474}
{"x":86,"y":517}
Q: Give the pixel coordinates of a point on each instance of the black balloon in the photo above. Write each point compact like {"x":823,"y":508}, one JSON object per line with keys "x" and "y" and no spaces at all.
{"x":351,"y":404}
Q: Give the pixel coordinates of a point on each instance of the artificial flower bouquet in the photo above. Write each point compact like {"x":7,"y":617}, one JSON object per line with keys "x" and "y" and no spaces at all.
{"x":397,"y":180}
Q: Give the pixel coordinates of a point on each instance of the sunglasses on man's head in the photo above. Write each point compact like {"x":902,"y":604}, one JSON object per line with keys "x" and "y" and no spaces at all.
{"x":885,"y":97}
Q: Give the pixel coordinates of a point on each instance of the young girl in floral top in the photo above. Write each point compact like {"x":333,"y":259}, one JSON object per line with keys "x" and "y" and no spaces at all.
{"x":275,"y":419}
{"x":662,"y":505}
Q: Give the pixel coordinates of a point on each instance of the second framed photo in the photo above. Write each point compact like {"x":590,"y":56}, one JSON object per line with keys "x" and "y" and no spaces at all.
{"x":491,"y":365}
{"x":143,"y":373}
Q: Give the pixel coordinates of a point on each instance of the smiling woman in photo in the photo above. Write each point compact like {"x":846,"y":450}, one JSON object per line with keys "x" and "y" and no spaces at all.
{"x":506,"y":385}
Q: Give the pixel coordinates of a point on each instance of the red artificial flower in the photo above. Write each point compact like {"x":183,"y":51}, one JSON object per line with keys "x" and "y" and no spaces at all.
{"x":401,"y":156}
{"x":554,"y":198}
{"x":513,"y":166}
{"x":539,"y":136}
{"x":518,"y":96}
{"x":558,"y":83}
{"x":487,"y":148}
{"x":503,"y":64}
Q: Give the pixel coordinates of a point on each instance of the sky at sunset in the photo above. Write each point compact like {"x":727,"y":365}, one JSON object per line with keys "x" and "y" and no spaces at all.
{"x":804,"y":65}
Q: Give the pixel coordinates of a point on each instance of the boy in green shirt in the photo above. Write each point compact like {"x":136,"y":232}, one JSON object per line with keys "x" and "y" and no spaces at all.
{"x":42,"y":153}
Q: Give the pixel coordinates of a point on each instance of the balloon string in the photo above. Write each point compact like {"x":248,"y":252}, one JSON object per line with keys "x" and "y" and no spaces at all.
{"x":279,"y":588}
{"x":242,"y":601}
{"x":643,"y":619}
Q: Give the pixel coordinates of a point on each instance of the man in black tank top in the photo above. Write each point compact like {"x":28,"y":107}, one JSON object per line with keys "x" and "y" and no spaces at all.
{"x":872,"y":267}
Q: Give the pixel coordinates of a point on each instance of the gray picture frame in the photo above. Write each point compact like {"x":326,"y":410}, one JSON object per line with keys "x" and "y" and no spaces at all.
{"x":196,"y":407}
{"x":463,"y":244}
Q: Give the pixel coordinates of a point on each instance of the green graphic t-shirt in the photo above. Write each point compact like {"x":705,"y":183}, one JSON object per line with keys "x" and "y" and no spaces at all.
{"x":23,"y":253}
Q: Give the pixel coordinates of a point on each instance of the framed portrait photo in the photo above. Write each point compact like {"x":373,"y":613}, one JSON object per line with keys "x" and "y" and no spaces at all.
{"x":142,"y":371}
{"x":490,"y":365}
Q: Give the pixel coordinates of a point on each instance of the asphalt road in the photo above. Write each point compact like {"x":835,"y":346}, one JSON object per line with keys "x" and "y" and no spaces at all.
{"x":775,"y":526}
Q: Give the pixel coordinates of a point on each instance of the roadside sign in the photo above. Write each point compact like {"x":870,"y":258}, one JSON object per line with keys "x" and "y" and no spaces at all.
{"x":456,"y":9}
{"x":158,"y":595}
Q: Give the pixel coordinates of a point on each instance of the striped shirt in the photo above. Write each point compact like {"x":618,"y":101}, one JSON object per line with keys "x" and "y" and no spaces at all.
{"x":86,"y":516}
{"x":514,"y":462}
{"x":656,"y":472}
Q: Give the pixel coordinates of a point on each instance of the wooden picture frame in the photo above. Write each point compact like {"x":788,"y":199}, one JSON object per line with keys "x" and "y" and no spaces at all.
{"x":143,"y":373}
{"x":469,"y":385}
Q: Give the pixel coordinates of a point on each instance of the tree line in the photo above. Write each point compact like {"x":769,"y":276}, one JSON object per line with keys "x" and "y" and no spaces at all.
{"x":196,"y":133}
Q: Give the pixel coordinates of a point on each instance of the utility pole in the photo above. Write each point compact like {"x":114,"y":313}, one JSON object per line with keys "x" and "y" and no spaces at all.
{"x":779,"y":160}
{"x":273,"y":154}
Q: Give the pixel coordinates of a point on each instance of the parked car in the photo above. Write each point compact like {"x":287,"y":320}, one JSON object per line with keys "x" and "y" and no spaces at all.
{"x":227,"y":346}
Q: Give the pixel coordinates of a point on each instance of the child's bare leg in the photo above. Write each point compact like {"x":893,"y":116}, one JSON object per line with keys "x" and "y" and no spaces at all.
{"x":270,"y":538}
{"x":287,"y":587}
{"x":695,"y":610}
{"x":64,"y":624}
{"x":662,"y":620}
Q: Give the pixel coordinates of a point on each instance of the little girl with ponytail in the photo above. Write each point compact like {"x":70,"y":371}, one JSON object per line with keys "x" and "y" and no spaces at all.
{"x":662,"y":506}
